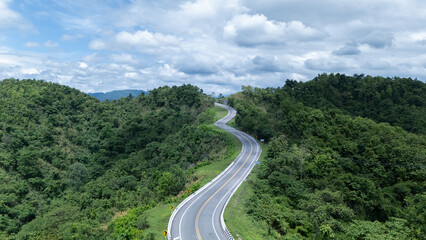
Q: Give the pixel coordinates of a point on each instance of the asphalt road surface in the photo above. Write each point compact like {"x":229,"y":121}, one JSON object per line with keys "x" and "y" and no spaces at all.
{"x":200,"y":216}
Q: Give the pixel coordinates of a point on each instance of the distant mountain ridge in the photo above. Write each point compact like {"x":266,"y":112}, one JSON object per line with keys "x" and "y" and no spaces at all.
{"x":116,"y":94}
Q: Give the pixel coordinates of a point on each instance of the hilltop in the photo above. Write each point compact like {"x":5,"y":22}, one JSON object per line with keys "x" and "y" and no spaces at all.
{"x":69,"y":163}
{"x":344,"y":157}
{"x":330,"y":172}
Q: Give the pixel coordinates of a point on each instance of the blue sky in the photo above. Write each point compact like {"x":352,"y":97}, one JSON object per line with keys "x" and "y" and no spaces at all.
{"x":218,"y":45}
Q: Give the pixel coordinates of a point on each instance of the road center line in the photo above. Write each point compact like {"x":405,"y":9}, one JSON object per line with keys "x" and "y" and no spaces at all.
{"x":232,"y":190}
{"x":208,"y":200}
{"x":196,"y":199}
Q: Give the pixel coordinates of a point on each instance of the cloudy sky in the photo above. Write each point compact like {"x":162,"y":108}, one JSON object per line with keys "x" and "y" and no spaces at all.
{"x":218,"y":45}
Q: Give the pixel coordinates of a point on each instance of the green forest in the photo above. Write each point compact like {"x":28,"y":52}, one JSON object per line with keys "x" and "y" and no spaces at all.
{"x":346,"y":158}
{"x":69,"y":163}
{"x":398,"y":101}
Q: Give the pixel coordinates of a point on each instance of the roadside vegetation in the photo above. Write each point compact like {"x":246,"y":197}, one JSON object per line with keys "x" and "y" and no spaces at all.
{"x":237,"y":220}
{"x":158,"y":216}
{"x":345,"y":158}
{"x":73,"y":167}
{"x":330,"y":173}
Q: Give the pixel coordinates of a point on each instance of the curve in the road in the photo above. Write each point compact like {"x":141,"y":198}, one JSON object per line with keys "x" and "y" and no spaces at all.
{"x":197,"y":217}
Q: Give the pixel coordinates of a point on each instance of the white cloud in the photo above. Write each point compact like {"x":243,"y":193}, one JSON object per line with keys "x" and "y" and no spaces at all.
{"x":252,"y":30}
{"x":97,"y":44}
{"x":299,"y":77}
{"x":218,"y":45}
{"x":199,"y":9}
{"x":131,"y":75}
{"x":143,"y":41}
{"x":30,"y":71}
{"x":326,"y":65}
{"x":418,"y":36}
{"x":204,"y":15}
{"x":82,"y":65}
{"x":145,"y":38}
{"x":197,"y":64}
{"x":51,"y":44}
{"x":123,"y":58}
{"x":11,"y":60}
{"x":11,"y":19}
{"x":32,"y":44}
{"x":168,"y":70}
{"x":348,"y":49}
{"x":64,"y":79}
{"x":68,"y":37}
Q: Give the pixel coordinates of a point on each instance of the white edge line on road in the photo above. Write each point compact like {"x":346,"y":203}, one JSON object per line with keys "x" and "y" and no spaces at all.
{"x":222,"y":221}
{"x":230,"y":112}
{"x":223,"y":121}
{"x":234,"y":189}
{"x":199,"y":191}
{"x":211,"y":183}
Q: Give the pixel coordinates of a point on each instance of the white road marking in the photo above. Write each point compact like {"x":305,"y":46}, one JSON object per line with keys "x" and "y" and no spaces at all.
{"x":227,"y":196}
{"x":205,"y":191}
{"x":214,"y":229}
{"x":233,"y":189}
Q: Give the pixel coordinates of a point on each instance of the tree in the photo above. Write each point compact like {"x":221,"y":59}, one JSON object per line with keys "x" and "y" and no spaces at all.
{"x":27,"y":162}
{"x":325,"y":207}
{"x":77,"y":175}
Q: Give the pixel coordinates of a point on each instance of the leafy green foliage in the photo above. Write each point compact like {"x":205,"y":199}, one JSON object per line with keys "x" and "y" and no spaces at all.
{"x":69,"y":162}
{"x":329,"y":175}
{"x":394,"y":229}
{"x":130,"y":226}
{"x":398,"y":101}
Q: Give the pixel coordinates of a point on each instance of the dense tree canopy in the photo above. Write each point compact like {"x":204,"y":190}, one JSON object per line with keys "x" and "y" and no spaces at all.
{"x":398,"y":101}
{"x":346,"y":157}
{"x":69,"y":162}
{"x":331,"y":175}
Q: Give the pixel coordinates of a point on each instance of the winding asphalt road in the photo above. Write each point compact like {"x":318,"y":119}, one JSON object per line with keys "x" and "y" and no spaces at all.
{"x":200,"y":216}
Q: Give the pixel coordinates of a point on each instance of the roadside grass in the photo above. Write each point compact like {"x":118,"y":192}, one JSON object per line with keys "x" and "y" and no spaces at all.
{"x":237,"y":220}
{"x":219,"y":113}
{"x":232,"y":123}
{"x":158,"y":217}
{"x":206,"y":173}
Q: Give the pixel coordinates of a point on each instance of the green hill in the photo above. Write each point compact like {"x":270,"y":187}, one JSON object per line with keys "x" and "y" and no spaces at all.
{"x":329,"y":175}
{"x":397,"y":101}
{"x":69,"y":163}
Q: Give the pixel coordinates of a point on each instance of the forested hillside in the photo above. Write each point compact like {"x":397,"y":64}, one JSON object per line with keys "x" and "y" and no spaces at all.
{"x":398,"y":101}
{"x":68,"y":162}
{"x":329,"y":175}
